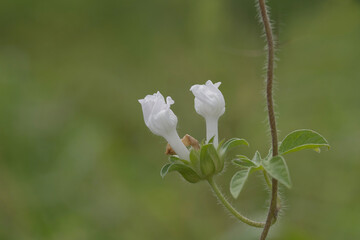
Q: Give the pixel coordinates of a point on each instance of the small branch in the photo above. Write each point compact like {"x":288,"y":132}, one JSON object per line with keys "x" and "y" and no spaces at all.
{"x":231,"y":209}
{"x":273,"y":210}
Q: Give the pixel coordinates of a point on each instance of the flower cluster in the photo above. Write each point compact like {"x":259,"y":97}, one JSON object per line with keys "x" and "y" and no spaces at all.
{"x":197,"y":162}
{"x":161,"y":120}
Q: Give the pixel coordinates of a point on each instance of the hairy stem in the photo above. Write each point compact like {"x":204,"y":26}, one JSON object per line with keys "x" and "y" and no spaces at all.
{"x":231,"y":209}
{"x":268,"y":183}
{"x":271,"y":115}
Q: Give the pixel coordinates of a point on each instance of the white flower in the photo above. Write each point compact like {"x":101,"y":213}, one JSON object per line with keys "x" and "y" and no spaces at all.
{"x":209,"y":103}
{"x":162,"y":121}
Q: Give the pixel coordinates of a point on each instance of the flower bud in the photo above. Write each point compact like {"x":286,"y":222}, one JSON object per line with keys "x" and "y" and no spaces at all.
{"x":162,"y":121}
{"x":209,"y":103}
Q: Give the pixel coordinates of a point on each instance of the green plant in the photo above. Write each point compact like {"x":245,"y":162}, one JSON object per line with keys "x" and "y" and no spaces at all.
{"x":196,"y":161}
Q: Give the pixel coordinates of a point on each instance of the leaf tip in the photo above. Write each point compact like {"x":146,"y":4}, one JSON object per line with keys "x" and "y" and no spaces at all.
{"x":288,"y":184}
{"x":234,"y":195}
{"x":318,"y":150}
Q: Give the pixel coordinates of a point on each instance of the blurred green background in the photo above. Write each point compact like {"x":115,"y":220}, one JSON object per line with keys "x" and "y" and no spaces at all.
{"x":77,"y":161}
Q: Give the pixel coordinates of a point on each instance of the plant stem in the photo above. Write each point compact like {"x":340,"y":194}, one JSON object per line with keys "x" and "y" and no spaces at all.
{"x":270,"y":106}
{"x":267,"y":179}
{"x":232,"y":210}
{"x":268,"y":183}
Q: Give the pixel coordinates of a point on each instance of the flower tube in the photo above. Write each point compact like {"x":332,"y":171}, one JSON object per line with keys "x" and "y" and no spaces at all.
{"x":162,"y":121}
{"x":209,"y":103}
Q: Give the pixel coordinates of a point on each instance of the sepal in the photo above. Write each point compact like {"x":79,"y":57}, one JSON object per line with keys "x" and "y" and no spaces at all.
{"x":207,"y":165}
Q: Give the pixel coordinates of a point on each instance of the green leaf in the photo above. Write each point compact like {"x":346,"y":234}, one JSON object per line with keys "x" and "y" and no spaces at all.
{"x":188,"y":173}
{"x":268,"y":156}
{"x":243,"y":162}
{"x":234,"y":142}
{"x":302,"y":139}
{"x":278,"y":169}
{"x":165,"y":169}
{"x":176,"y":159}
{"x":242,"y":157}
{"x":231,"y":143}
{"x":257,"y":158}
{"x":207,"y":166}
{"x":237,"y":182}
{"x":211,"y":140}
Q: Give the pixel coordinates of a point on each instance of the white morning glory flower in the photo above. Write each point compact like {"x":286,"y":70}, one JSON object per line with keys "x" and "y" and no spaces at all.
{"x":209,"y":103}
{"x":162,"y":121}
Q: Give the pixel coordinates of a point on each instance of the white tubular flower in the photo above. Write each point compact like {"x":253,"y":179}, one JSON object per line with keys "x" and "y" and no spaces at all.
{"x":162,"y":121}
{"x":209,"y":103}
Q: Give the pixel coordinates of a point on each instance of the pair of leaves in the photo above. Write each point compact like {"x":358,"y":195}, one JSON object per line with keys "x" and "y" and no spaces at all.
{"x":238,"y":180}
{"x":245,"y":162}
{"x":276,"y":166}
{"x":293,"y":142}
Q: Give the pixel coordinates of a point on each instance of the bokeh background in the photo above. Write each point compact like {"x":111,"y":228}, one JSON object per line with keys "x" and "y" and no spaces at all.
{"x":77,"y":162}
